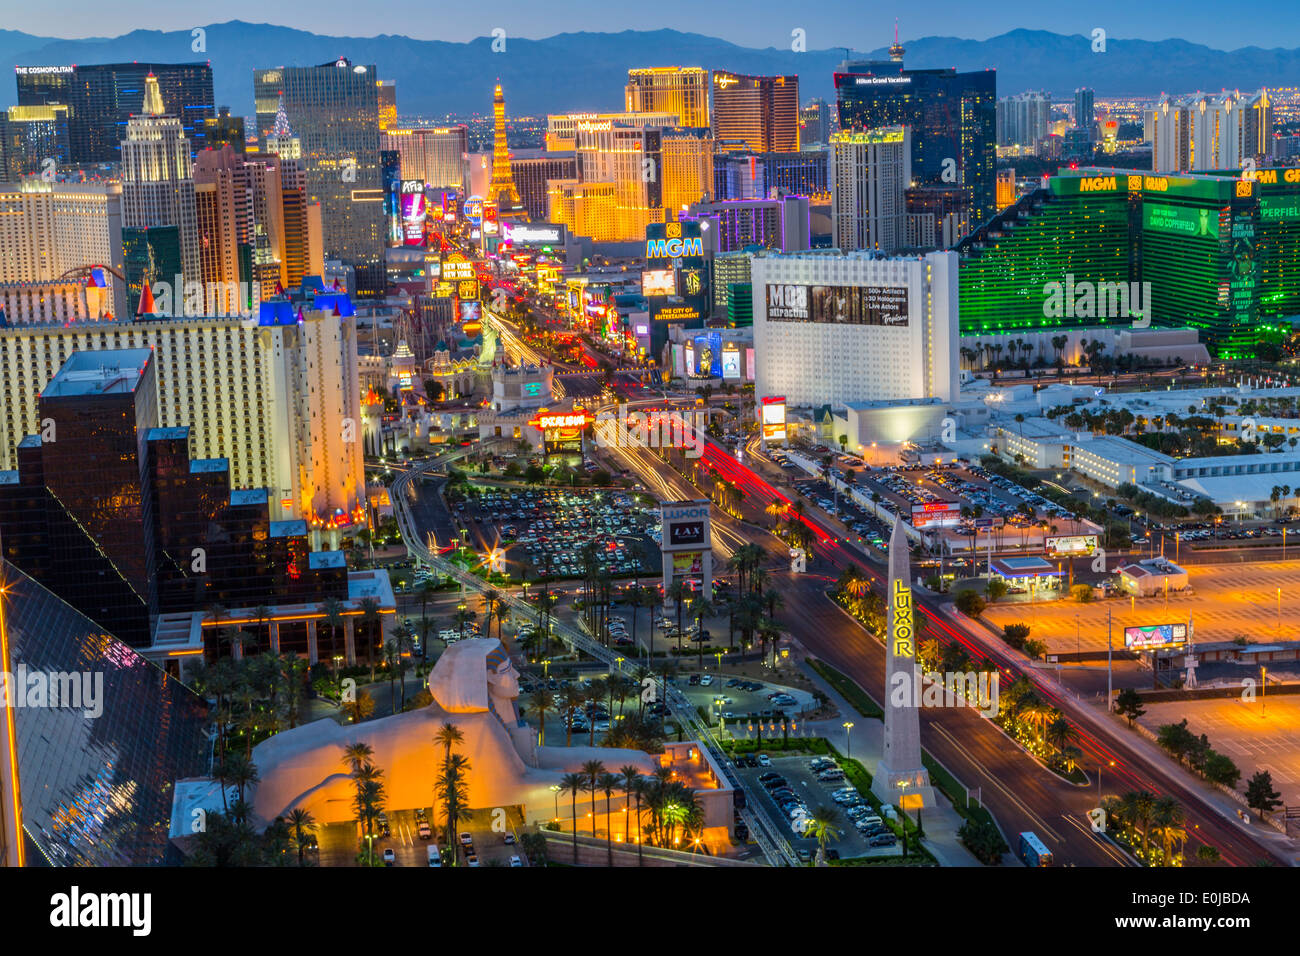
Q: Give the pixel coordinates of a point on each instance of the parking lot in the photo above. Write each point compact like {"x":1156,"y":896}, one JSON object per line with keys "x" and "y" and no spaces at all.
{"x":743,"y":699}
{"x":545,"y":530}
{"x":790,"y":789}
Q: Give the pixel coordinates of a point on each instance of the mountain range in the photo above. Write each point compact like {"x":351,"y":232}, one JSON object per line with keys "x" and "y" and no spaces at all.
{"x":587,"y":71}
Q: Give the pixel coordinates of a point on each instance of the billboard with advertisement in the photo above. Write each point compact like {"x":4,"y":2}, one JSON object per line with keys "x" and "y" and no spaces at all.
{"x":730,"y":362}
{"x":708,"y":355}
{"x":658,"y":282}
{"x":661,"y":311}
{"x":685,"y":525}
{"x":839,"y":305}
{"x":773,"y":418}
{"x":1069,"y":545}
{"x":936,"y":514}
{"x":471,"y":310}
{"x":456,"y":267}
{"x":534,"y":234}
{"x":1155,"y":636}
{"x":473,"y":210}
{"x":413,"y":211}
{"x":688,"y":563}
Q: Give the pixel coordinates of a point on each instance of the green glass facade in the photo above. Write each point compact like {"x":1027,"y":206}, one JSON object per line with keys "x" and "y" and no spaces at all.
{"x":1211,"y":252}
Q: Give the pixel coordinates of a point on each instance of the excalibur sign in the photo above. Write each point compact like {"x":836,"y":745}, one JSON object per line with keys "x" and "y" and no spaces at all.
{"x":901,"y":778}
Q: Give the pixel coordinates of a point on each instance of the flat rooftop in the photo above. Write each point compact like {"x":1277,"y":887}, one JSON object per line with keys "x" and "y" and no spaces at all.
{"x":111,"y":372}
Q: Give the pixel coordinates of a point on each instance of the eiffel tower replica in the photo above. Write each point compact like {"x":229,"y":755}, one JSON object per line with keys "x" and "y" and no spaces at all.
{"x":502,"y":190}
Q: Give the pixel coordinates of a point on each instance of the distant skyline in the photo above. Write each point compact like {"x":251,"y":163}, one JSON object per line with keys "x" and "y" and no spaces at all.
{"x":752,"y":23}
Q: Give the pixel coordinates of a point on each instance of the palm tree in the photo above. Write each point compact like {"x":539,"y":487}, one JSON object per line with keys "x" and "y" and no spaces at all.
{"x":540,"y":702}
{"x":700,"y":609}
{"x":491,"y":598}
{"x":1167,"y":821}
{"x":573,"y":699}
{"x":452,"y":789}
{"x":331,"y":611}
{"x":240,"y":771}
{"x":608,"y":782}
{"x":370,"y":618}
{"x":355,"y":755}
{"x":633,"y":786}
{"x":448,"y":736}
{"x":592,"y":771}
{"x":825,"y":826}
{"x":677,"y":593}
{"x":425,"y":591}
{"x":574,"y":784}
{"x":301,"y":822}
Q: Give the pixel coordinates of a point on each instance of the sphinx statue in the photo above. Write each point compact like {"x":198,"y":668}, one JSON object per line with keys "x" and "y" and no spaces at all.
{"x":475,"y":687}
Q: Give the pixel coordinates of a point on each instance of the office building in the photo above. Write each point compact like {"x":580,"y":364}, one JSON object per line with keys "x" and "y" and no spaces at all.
{"x":562,"y":128}
{"x":334,"y":111}
{"x":533,"y":169}
{"x":779,"y":224}
{"x":304,"y":253}
{"x":761,"y":111}
{"x":437,"y":154}
{"x":952,"y":117}
{"x":48,"y":229}
{"x":102,"y":97}
{"x":1024,"y":119}
{"x":97,"y":547}
{"x":1006,"y":188}
{"x":1085,"y":114}
{"x":1204,"y":132}
{"x":834,"y":329}
{"x":870,"y":173}
{"x":150,"y":256}
{"x":937,"y":216}
{"x":84,"y":788}
{"x":749,"y":175}
{"x":687,"y":168}
{"x":630,"y":159}
{"x":681,"y":90}
{"x":221,"y":130}
{"x":33,"y":139}
{"x":157,"y":182}
{"x":387,"y":92}
{"x":587,"y":209}
{"x":816,"y":123}
{"x":1209,"y":252}
{"x":270,"y":394}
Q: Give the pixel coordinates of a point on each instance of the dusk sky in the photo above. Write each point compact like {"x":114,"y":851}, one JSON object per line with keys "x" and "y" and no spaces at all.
{"x":754,"y":23}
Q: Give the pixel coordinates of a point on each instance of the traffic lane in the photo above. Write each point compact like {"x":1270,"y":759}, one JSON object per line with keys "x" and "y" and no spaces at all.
{"x":1204,"y":823}
{"x":1020,"y":793}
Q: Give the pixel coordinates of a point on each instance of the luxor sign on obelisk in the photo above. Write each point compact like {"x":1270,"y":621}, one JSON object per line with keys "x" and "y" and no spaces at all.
{"x":901,"y":778}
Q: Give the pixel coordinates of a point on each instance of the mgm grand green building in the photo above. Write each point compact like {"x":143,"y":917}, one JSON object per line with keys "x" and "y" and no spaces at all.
{"x":1115,"y":247}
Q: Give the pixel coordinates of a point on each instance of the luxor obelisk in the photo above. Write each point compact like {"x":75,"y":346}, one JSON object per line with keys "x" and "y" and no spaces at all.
{"x":901,"y":778}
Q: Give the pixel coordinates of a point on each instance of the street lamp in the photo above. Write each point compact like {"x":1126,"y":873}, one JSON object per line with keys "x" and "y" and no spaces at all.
{"x":555,"y":789}
{"x":848,"y":741}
